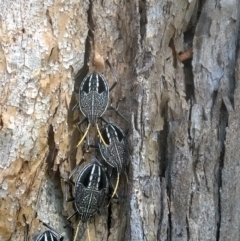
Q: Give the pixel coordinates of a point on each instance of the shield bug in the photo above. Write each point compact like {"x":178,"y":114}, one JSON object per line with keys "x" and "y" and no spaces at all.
{"x":93,"y":99}
{"x":90,"y":188}
{"x":49,"y":235}
{"x":116,"y":151}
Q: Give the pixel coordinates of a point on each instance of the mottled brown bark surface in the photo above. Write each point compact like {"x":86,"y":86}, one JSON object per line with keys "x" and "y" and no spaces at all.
{"x":178,"y":68}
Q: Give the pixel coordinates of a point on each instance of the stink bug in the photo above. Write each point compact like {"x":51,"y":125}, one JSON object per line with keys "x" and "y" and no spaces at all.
{"x":116,"y":151}
{"x":93,"y":99}
{"x":49,"y":235}
{"x":91,"y":188}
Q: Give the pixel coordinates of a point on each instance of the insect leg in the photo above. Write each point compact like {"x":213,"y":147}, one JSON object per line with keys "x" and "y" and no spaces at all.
{"x":93,"y":146}
{"x":69,"y":222}
{"x":75,"y":107}
{"x":116,"y":109}
{"x":114,"y":74}
{"x":70,"y":181}
{"x":102,"y":119}
{"x":80,"y":123}
{"x":72,"y":173}
{"x":87,"y":146}
{"x":72,"y":215}
{"x":66,"y":195}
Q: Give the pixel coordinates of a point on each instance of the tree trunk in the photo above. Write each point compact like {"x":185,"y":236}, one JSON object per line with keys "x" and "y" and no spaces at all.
{"x":177,"y":63}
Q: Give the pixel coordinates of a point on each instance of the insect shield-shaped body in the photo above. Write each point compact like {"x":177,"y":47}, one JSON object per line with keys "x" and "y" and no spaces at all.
{"x":93,"y":96}
{"x":93,"y":99}
{"x":116,"y":152}
{"x":49,"y":235}
{"x":91,"y":188}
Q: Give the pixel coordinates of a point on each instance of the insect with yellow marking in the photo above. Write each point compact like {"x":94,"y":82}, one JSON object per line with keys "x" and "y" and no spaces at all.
{"x":91,"y":189}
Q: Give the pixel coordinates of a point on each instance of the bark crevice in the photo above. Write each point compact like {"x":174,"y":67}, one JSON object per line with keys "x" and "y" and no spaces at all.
{"x":223,"y":124}
{"x":143,"y":19}
{"x":52,"y":150}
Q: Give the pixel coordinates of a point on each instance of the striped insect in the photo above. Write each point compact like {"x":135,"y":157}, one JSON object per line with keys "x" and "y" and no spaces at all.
{"x":49,"y":235}
{"x":115,"y":153}
{"x":93,"y":100}
{"x":91,"y":188}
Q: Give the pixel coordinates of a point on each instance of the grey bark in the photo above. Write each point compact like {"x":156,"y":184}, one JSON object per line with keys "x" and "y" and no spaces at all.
{"x":178,"y":68}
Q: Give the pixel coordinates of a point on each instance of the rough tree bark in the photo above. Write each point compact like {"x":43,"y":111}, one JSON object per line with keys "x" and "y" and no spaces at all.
{"x":177,"y":64}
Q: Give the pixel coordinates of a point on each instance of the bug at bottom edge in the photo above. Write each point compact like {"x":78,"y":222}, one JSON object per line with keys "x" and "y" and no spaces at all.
{"x":91,"y":188}
{"x":49,"y":235}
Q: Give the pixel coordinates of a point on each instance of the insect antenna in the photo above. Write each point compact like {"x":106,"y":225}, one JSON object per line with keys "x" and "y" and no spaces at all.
{"x":84,"y":135}
{"x":116,"y":186}
{"x":77,"y":230}
{"x":89,"y":238}
{"x":100,"y":135}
